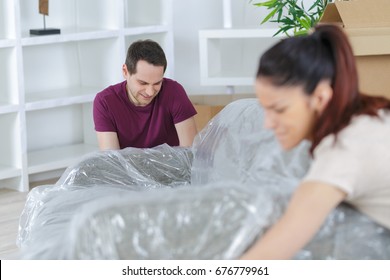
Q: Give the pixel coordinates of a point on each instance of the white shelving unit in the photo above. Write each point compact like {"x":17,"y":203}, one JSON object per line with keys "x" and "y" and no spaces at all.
{"x":48,"y":83}
{"x":229,"y":56}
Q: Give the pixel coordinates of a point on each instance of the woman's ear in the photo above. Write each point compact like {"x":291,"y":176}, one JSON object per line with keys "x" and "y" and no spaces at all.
{"x":321,"y":96}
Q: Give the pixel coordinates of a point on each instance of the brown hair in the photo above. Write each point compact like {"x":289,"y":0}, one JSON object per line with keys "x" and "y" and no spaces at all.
{"x":326,"y":54}
{"x":147,"y":50}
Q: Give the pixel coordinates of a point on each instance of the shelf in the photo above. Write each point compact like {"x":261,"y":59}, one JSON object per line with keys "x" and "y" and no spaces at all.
{"x":7,"y":20}
{"x":57,"y":145}
{"x":8,"y":77}
{"x":238,"y":33}
{"x":69,"y":35}
{"x":71,"y":14}
{"x":57,"y":158}
{"x":146,"y":13}
{"x":63,"y":126}
{"x":48,"y":83}
{"x":10,"y":159}
{"x":8,"y":108}
{"x":58,"y":98}
{"x":145,"y":30}
{"x":229,"y":57}
{"x":13,"y":183}
{"x":7,"y":172}
{"x":84,"y":64}
{"x":7,"y":43}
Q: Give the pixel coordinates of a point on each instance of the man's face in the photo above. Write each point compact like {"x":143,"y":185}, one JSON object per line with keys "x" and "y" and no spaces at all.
{"x":145,"y":84}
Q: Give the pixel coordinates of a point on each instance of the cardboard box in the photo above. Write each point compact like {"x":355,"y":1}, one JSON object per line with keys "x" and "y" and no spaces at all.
{"x":367,"y":24}
{"x":209,"y":105}
{"x":205,"y":114}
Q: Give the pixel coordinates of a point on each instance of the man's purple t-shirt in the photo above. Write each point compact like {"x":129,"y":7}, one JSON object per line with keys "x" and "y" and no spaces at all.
{"x":142,"y":127}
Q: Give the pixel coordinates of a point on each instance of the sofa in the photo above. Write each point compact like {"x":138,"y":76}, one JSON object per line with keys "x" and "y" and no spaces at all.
{"x":210,"y":201}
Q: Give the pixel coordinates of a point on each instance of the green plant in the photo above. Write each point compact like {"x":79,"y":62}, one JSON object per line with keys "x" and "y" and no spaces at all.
{"x":291,"y":16}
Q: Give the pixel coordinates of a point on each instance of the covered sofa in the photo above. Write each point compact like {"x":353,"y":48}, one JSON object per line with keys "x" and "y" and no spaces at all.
{"x":211,"y":201}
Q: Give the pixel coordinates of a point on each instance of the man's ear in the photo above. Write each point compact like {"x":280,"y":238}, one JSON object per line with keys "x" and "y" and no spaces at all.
{"x":321,"y":96}
{"x":125,"y":72}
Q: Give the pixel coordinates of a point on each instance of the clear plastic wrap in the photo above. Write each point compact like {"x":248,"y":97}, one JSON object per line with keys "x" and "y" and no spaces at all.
{"x":235,"y":146}
{"x":347,"y":235}
{"x":217,"y":221}
{"x":139,"y":203}
{"x":46,"y":217}
{"x":150,"y":168}
{"x":49,"y":208}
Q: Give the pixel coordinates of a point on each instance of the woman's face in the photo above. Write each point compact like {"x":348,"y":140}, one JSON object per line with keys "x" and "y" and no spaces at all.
{"x":288,"y":112}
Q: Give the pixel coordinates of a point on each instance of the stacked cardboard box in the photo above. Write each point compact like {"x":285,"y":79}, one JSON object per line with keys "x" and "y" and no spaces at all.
{"x":205,"y":114}
{"x":208,"y":106}
{"x":367,"y":24}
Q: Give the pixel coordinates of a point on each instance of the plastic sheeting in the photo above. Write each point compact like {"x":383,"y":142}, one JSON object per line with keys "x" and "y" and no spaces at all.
{"x":149,"y":168}
{"x":139,"y":203}
{"x":49,"y":208}
{"x":235,"y":146}
{"x":218,"y":221}
{"x":348,"y":235}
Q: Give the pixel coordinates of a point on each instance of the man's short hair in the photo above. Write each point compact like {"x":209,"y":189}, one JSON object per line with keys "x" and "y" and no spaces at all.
{"x":147,"y":50}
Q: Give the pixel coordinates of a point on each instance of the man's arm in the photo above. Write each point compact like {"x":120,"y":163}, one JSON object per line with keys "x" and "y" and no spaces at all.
{"x":108,"y":140}
{"x":186,"y":131}
{"x":307,"y":210}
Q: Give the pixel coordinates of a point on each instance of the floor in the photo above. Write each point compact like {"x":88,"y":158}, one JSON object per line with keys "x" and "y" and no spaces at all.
{"x":11,"y":206}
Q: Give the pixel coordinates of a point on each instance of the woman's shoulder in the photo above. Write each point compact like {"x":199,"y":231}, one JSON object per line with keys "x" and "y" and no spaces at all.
{"x":362,"y":124}
{"x":364,"y":131}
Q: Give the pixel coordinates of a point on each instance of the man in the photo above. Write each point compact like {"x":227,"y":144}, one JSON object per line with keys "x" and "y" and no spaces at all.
{"x":146,"y":109}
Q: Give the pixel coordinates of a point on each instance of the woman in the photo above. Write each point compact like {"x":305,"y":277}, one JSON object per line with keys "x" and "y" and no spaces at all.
{"x":308,"y":87}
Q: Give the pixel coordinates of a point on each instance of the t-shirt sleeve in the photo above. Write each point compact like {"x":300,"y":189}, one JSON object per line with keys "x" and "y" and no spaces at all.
{"x":182,"y":107}
{"x":334,"y":163}
{"x":101,"y":115}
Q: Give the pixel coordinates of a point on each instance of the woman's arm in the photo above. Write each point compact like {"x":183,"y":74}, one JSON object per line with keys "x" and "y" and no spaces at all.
{"x":307,"y":210}
{"x":186,"y":131}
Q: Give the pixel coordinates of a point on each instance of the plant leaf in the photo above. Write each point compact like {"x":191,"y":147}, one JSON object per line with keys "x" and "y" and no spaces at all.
{"x":292,"y":15}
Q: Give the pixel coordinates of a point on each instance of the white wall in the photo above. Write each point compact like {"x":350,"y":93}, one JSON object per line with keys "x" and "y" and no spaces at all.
{"x":190,"y":16}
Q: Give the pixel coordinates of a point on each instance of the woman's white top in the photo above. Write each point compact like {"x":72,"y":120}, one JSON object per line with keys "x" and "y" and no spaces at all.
{"x":358,"y":163}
